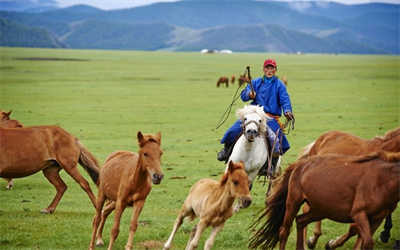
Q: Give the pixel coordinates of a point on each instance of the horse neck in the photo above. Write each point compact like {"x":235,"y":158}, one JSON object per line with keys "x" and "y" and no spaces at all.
{"x":141,"y":175}
{"x":225,"y":200}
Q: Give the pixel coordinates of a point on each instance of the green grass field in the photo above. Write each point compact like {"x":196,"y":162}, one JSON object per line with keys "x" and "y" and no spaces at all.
{"x":105,"y":97}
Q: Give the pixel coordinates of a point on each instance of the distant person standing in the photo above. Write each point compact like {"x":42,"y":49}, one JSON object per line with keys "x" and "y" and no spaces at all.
{"x":270,"y":93}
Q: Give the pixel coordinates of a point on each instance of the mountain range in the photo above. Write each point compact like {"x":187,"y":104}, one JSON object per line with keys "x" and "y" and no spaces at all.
{"x":192,"y":25}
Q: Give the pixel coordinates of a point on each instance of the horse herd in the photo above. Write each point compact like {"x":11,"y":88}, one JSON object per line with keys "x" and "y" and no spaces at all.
{"x":339,"y":176}
{"x":241,"y":80}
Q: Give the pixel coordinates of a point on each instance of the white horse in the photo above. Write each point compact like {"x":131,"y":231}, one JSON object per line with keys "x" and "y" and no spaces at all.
{"x":251,"y":147}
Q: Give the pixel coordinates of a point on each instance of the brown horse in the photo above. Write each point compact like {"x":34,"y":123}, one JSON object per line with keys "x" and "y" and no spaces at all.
{"x":243,"y":79}
{"x":222,"y":80}
{"x":212,"y":202}
{"x":344,"y":143}
{"x":5,"y":122}
{"x":333,"y":192}
{"x":25,"y":151}
{"x":233,"y":78}
{"x":125,"y":180}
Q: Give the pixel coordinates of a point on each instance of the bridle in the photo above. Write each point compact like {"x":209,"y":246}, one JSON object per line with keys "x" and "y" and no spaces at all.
{"x":245,"y":124}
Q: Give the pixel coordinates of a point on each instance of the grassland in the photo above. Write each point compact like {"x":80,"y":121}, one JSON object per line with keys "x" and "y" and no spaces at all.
{"x":105,"y":97}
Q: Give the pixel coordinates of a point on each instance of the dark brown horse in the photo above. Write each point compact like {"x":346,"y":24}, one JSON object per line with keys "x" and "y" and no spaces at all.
{"x":344,"y":143}
{"x":125,"y":180}
{"x":243,"y":79}
{"x":222,"y":80}
{"x":233,"y":78}
{"x":332,"y":191}
{"x":25,"y":151}
{"x":6,"y":122}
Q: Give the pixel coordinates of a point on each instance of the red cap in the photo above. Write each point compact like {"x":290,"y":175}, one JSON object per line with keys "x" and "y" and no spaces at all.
{"x":269,"y":62}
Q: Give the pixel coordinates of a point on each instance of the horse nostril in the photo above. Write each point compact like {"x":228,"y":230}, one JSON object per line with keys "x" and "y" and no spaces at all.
{"x":246,"y":202}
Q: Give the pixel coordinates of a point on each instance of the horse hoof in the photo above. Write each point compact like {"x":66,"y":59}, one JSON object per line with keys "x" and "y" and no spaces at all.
{"x":384,"y":237}
{"x":310,"y":245}
{"x":46,"y":211}
{"x":328,"y":245}
{"x":99,"y":242}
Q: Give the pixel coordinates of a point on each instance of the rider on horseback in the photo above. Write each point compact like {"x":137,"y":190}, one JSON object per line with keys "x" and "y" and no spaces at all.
{"x":270,"y":93}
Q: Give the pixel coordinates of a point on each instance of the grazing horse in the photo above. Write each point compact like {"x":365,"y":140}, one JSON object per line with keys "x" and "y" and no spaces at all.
{"x":325,"y":183}
{"x":222,"y":80}
{"x":212,"y":202}
{"x":242,"y":80}
{"x":233,"y":78}
{"x":25,"y":151}
{"x":344,"y":143}
{"x":125,"y":180}
{"x":5,"y":122}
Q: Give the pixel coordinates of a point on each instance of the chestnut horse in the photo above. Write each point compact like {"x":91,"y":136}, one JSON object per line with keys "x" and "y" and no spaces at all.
{"x":233,"y":78}
{"x":243,"y":79}
{"x":125,"y":180}
{"x":344,"y":143}
{"x":222,"y":80}
{"x":212,"y":201}
{"x":25,"y":151}
{"x":333,"y":192}
{"x":5,"y":122}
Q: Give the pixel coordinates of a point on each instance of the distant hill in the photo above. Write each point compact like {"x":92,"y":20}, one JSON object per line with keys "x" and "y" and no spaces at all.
{"x":17,"y":35}
{"x":239,"y":25}
{"x":28,"y":5}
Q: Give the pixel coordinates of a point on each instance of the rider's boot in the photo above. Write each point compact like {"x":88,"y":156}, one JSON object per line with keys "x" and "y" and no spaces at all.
{"x":264,"y":171}
{"x":224,"y":153}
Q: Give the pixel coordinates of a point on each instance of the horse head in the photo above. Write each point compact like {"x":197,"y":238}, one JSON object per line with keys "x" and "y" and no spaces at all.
{"x":5,"y":115}
{"x":391,"y":141}
{"x":253,"y":121}
{"x":236,"y":178}
{"x":150,"y":155}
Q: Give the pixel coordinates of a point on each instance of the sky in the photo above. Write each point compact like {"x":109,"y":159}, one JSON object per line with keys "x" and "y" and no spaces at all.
{"x":121,"y":4}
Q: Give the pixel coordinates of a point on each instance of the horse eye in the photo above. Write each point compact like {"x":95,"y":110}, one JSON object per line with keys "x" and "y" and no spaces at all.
{"x":236,"y":183}
{"x":245,"y":119}
{"x":146,"y":154}
{"x":259,"y":121}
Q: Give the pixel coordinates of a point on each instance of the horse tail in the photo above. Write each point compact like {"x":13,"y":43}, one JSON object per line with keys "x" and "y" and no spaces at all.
{"x":89,"y":163}
{"x":306,"y":150}
{"x":267,"y":235}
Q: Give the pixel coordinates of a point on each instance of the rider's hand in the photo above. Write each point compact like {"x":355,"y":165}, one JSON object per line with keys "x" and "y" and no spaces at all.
{"x":252,"y":94}
{"x":289,"y":115}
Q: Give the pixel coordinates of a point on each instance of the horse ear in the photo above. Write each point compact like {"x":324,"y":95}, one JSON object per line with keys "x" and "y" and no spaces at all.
{"x":8,"y":114}
{"x":159,"y":137}
{"x":231,"y":167}
{"x":140,"y":138}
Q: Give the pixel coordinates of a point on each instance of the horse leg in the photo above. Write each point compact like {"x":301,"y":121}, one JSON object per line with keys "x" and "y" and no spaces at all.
{"x":137,"y":208}
{"x":292,"y":208}
{"x":10,"y":183}
{"x":301,"y":222}
{"x":96,"y":220}
{"x":74,"y":173}
{"x":53,"y":176}
{"x":178,"y":222}
{"x":210,"y":241}
{"x":106,"y":212}
{"x":385,"y":234}
{"x":339,"y":241}
{"x":119,"y":209}
{"x":199,"y":230}
{"x":192,"y":233}
{"x":361,"y":219}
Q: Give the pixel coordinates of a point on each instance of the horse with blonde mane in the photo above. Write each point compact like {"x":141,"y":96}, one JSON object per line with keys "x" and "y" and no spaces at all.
{"x":333,"y":192}
{"x":347,"y":144}
{"x":6,"y":122}
{"x":25,"y":151}
{"x":125,"y":180}
{"x":212,"y":202}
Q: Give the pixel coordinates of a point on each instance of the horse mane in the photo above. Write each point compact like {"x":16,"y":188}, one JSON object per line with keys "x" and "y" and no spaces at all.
{"x":248,"y":109}
{"x":391,"y":134}
{"x":224,"y":178}
{"x":383,"y":155}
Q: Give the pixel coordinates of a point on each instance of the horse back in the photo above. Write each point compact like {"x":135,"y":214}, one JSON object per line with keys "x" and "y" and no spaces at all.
{"x":119,"y":168}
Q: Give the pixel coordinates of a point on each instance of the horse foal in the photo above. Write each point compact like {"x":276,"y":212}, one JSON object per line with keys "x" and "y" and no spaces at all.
{"x":212,"y":202}
{"x":125,"y":180}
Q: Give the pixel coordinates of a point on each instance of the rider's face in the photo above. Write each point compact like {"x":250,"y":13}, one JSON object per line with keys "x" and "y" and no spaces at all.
{"x":269,"y":71}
